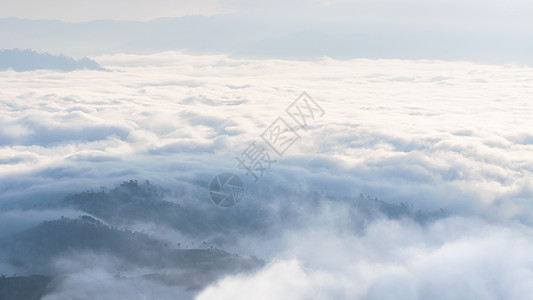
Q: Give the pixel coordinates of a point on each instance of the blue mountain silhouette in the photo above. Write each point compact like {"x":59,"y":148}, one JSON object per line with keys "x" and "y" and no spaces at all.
{"x":28,"y":60}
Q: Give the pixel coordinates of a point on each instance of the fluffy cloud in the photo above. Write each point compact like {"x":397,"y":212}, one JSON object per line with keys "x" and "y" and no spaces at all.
{"x":394,"y":260}
{"x":97,"y":283}
{"x":452,"y":135}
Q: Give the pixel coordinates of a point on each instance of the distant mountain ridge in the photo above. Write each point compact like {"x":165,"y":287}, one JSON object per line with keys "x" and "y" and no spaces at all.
{"x":247,"y":38}
{"x":28,"y":60}
{"x":35,"y":250}
{"x":40,"y":245}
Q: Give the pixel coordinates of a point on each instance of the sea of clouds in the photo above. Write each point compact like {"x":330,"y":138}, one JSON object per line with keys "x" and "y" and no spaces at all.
{"x":439,"y":135}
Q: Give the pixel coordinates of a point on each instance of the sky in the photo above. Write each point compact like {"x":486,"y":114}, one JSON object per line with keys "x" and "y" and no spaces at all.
{"x":476,"y":15}
{"x":83,"y":11}
{"x":493,"y":31}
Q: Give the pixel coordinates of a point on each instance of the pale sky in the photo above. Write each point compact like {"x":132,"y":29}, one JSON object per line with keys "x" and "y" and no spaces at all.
{"x":491,"y":31}
{"x":478,"y":15}
{"x":82,"y":10}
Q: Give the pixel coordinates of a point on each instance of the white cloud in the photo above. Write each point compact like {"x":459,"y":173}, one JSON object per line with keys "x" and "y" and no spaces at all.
{"x":452,"y":135}
{"x":97,"y":283}
{"x":451,"y":259}
{"x":400,"y":130}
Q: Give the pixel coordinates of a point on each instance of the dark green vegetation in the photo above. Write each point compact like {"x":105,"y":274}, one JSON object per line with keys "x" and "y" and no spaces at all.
{"x":24,"y":288}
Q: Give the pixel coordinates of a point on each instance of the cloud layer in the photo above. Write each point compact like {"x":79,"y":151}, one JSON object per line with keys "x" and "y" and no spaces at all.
{"x":438,"y":135}
{"x":395,"y":260}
